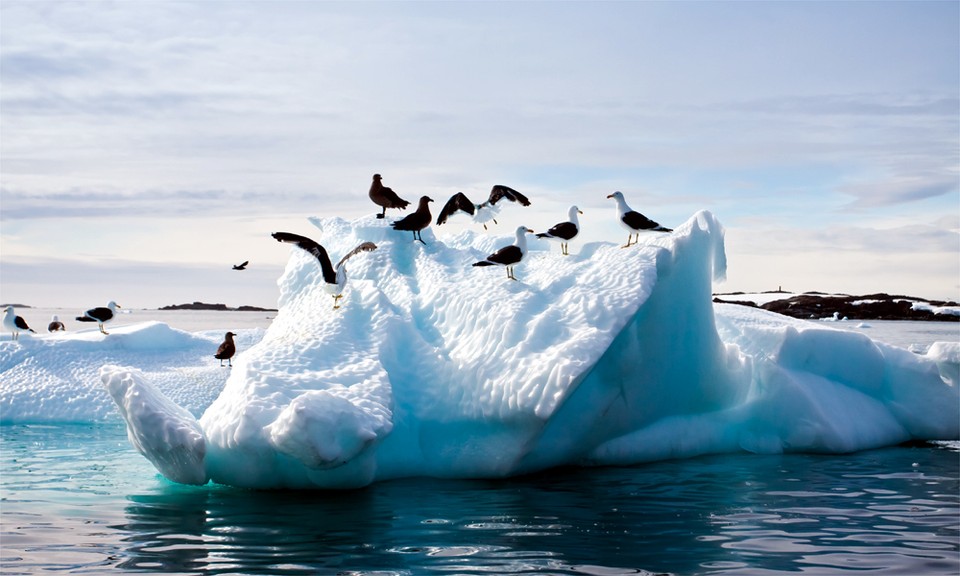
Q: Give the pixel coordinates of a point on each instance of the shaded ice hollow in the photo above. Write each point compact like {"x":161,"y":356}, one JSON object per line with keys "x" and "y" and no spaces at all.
{"x":608,"y":356}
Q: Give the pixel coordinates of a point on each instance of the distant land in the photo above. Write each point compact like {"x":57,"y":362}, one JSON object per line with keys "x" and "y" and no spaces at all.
{"x":219,"y":307}
{"x":818,"y":305}
{"x":807,"y":306}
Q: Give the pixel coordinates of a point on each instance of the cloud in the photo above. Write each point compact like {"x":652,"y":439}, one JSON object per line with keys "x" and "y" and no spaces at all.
{"x":82,"y":203}
{"x":902,"y":240}
{"x":900,"y":190}
{"x":910,"y":105}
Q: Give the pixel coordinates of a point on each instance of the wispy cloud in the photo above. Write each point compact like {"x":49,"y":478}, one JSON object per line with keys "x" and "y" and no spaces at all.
{"x":901,"y":189}
{"x":81,"y":203}
{"x":936,"y":238}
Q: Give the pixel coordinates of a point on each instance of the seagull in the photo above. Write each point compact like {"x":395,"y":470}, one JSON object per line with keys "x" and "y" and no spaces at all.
{"x":385,"y":197}
{"x":55,"y":324}
{"x":334,"y":278}
{"x":100,"y":315}
{"x":484,"y":212}
{"x":509,"y":256}
{"x":227,"y":349}
{"x":15,"y":324}
{"x":565,"y":231}
{"x":241,"y":266}
{"x":417,"y":221}
{"x":634,"y":222}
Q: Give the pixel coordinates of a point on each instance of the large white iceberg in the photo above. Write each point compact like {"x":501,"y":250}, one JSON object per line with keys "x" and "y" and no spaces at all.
{"x":608,"y":356}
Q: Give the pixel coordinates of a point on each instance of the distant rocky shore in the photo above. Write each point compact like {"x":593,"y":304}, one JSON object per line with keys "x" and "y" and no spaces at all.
{"x":817,"y":305}
{"x":218,"y":307}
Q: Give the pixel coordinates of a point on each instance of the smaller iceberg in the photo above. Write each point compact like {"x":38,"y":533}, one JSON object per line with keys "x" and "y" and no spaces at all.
{"x":55,"y":378}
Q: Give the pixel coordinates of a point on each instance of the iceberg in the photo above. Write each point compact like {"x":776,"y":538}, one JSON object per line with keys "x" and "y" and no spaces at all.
{"x":433,"y":367}
{"x":54,"y":378}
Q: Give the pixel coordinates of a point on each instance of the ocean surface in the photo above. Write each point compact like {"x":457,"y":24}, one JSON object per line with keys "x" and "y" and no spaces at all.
{"x":187,"y":320}
{"x":78,"y":499}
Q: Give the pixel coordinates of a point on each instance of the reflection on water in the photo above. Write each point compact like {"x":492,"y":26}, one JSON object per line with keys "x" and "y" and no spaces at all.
{"x":79,"y":500}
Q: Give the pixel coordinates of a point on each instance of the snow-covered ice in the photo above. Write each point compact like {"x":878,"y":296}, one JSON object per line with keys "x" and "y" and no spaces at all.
{"x":435,"y":367}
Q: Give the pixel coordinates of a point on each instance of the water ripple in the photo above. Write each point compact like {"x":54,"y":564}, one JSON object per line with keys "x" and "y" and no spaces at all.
{"x":894,"y":511}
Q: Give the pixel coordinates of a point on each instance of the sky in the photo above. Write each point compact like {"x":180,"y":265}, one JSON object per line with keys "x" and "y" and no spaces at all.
{"x":146,"y":147}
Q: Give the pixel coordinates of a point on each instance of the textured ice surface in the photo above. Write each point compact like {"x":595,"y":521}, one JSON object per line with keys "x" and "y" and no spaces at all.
{"x":435,"y":367}
{"x":56,"y":377}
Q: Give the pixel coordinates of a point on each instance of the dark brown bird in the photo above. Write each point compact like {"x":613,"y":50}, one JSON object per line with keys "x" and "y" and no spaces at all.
{"x":486,"y":210}
{"x":55,"y":324}
{"x":227,"y":349}
{"x":417,"y":221}
{"x":385,"y":197}
{"x":241,"y":266}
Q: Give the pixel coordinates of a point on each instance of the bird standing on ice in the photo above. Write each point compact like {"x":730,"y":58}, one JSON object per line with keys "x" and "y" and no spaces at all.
{"x":385,"y":197}
{"x":417,"y":221}
{"x":634,"y":222}
{"x":565,"y":231}
{"x":227,"y":349}
{"x":55,"y":324}
{"x":509,"y":256}
{"x":15,"y":324}
{"x":100,"y":315}
{"x":334,"y":277}
{"x":485,"y":211}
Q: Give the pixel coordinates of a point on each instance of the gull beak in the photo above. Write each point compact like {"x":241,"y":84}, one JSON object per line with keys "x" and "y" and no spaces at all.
{"x":609,"y":195}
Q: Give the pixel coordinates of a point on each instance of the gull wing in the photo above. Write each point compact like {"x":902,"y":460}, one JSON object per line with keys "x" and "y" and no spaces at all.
{"x":458,"y":201}
{"x":499,"y":191}
{"x":365,"y":247}
{"x":329,"y":275}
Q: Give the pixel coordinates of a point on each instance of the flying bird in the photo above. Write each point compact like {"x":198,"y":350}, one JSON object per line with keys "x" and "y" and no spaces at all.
{"x":15,"y":324}
{"x":241,"y":266}
{"x":100,"y":315}
{"x":634,"y":222}
{"x":334,"y":277}
{"x":565,"y":231}
{"x":485,"y":211}
{"x":509,"y":256}
{"x":227,"y":349}
{"x":55,"y":324}
{"x":417,"y":221}
{"x":385,"y":197}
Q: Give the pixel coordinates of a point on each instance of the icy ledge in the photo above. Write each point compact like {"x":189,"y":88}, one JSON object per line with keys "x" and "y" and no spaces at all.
{"x":609,"y":356}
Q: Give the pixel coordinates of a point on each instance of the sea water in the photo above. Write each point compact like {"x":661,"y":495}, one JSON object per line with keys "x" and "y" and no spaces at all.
{"x":80,"y":500}
{"x":186,"y":320}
